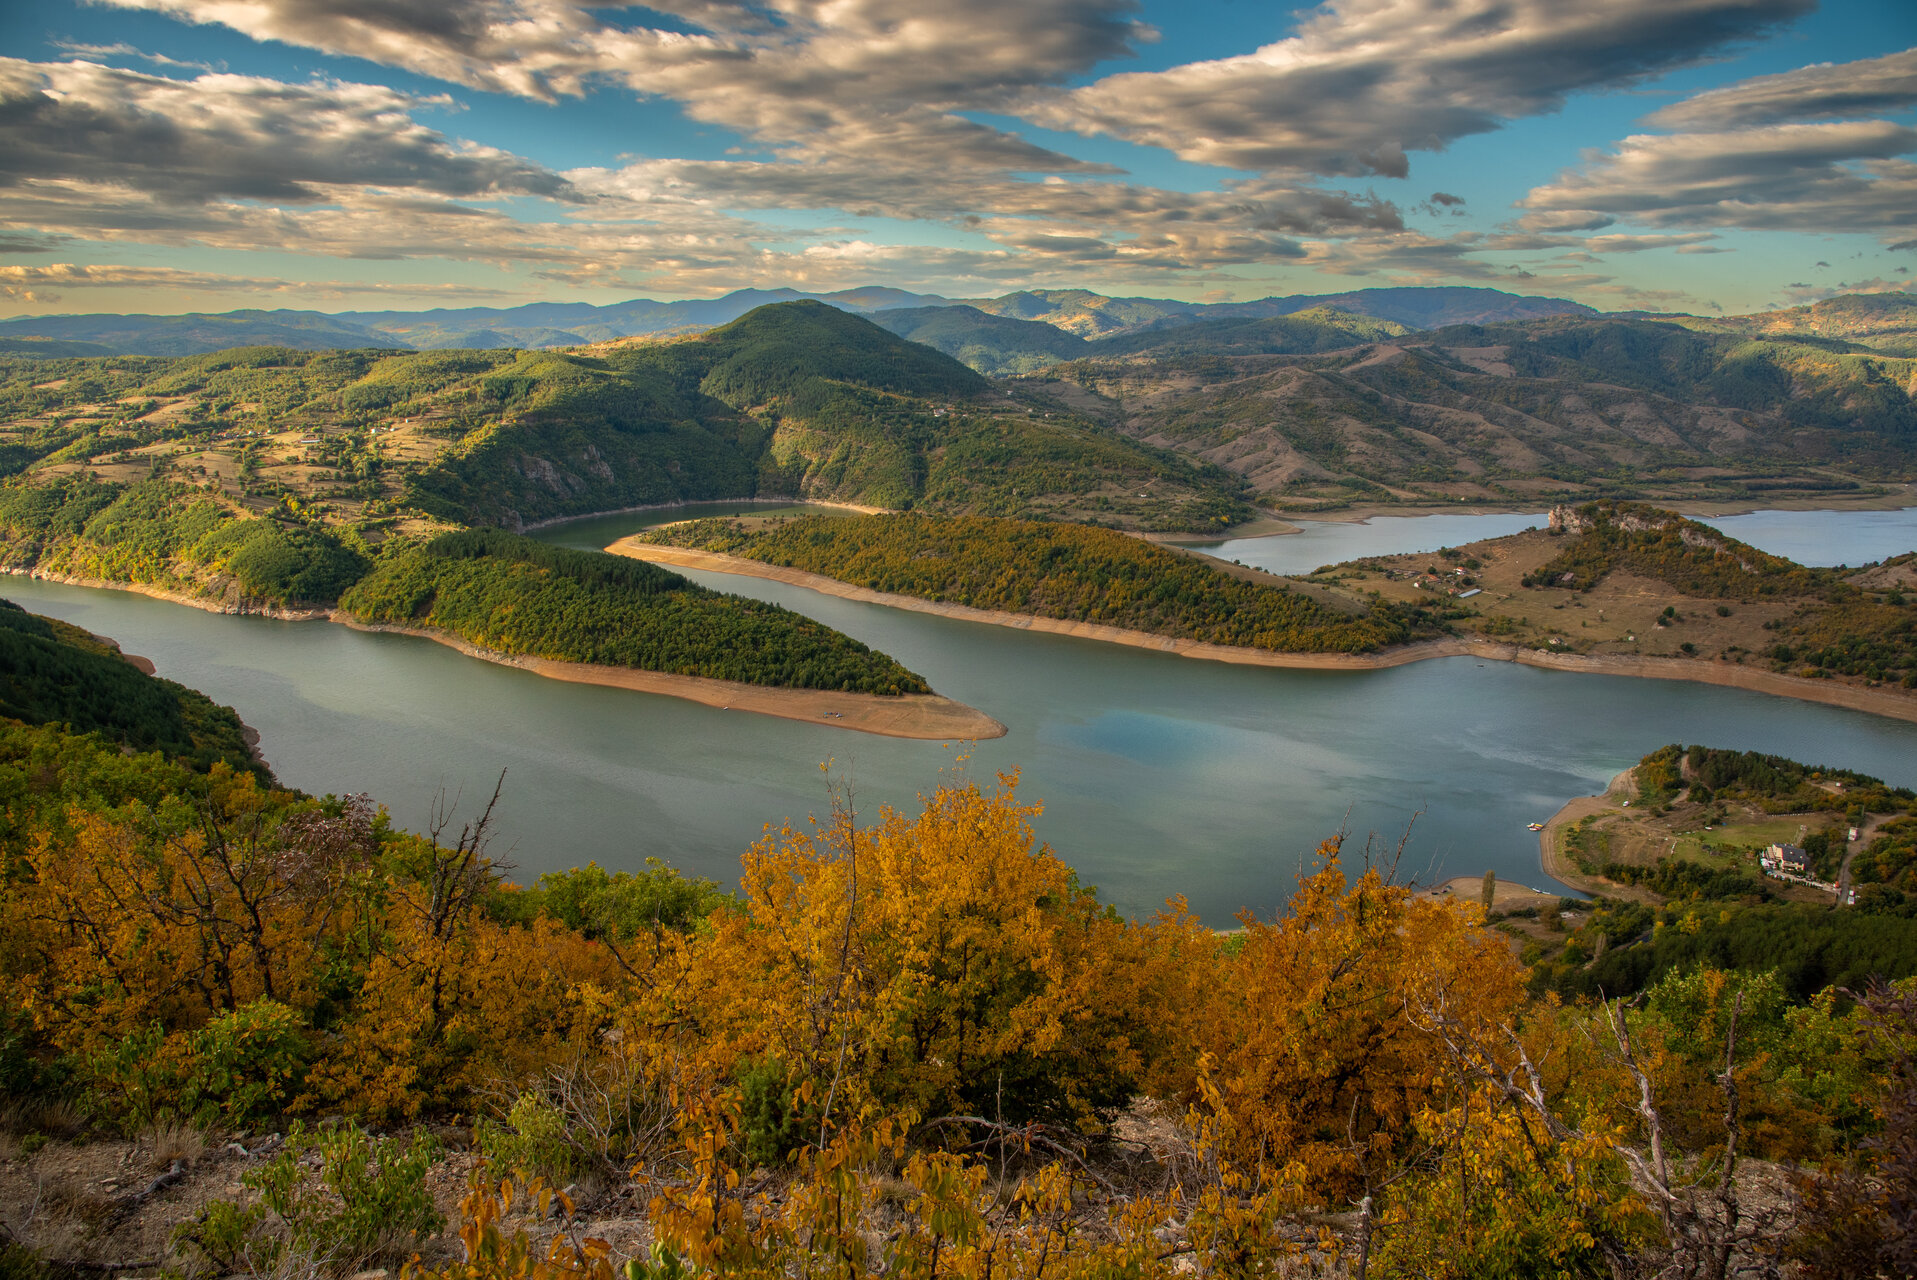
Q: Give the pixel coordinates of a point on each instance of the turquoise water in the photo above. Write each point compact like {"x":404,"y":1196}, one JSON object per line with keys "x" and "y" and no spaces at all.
{"x":1159,"y":775}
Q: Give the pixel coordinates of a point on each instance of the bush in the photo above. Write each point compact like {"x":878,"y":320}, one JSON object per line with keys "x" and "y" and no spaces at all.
{"x":246,"y":1064}
{"x":371,"y":1199}
{"x":532,"y":1142}
{"x":772,"y":1123}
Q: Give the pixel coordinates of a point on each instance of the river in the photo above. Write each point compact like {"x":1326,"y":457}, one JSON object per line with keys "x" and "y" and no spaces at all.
{"x":1159,"y":775}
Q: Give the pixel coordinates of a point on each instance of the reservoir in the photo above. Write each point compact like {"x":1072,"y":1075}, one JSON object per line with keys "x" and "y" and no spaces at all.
{"x":1159,"y":775}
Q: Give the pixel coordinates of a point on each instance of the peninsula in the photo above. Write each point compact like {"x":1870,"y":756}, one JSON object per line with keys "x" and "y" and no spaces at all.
{"x":1610,"y":589}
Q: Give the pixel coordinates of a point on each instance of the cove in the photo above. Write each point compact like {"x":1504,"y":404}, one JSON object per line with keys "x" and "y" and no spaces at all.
{"x":1159,"y":775}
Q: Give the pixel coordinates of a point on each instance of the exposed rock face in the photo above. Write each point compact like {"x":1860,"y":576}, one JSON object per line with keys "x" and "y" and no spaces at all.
{"x":1568,"y":519}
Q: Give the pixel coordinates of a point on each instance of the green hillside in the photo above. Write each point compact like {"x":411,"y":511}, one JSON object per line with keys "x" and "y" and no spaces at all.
{"x":993,"y":345}
{"x":497,"y":590}
{"x":516,"y":596}
{"x":1300,"y":333}
{"x":172,"y":535}
{"x":1061,"y":571}
{"x":52,"y":672}
{"x":795,"y":399}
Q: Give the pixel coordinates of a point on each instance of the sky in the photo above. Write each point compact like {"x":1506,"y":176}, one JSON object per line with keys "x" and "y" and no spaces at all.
{"x":361,"y":155}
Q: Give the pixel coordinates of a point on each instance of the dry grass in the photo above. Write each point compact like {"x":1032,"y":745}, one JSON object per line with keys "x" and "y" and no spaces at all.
{"x":171,"y":1140}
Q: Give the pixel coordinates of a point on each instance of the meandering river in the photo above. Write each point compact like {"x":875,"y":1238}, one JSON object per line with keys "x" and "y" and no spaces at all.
{"x":1159,"y":775}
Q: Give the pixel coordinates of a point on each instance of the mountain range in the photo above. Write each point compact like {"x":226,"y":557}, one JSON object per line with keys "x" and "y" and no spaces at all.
{"x":1074,"y":313}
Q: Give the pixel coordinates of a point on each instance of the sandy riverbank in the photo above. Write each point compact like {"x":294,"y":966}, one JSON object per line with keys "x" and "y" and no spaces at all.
{"x":914,"y":715}
{"x":923,"y":716}
{"x":707,"y":502}
{"x":1507,"y":895}
{"x":1895,"y":704}
{"x":1560,"y":867}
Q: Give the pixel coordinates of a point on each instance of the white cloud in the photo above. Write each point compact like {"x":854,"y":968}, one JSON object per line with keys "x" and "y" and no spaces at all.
{"x":1824,"y":91}
{"x":34,"y":284}
{"x":1365,"y":81}
{"x":1843,"y":176}
{"x":230,"y":136}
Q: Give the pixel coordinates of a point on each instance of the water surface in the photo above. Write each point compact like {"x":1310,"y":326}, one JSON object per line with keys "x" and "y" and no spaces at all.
{"x":1808,"y":537}
{"x":1159,"y":774}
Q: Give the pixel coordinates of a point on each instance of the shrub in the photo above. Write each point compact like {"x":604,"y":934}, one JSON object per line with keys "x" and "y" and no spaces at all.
{"x":371,"y":1199}
{"x":532,"y":1142}
{"x":244,"y":1065}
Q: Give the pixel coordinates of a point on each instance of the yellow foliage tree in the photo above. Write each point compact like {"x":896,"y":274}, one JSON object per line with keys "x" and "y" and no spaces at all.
{"x":136,"y":917}
{"x":1312,"y":1054}
{"x":935,"y":964}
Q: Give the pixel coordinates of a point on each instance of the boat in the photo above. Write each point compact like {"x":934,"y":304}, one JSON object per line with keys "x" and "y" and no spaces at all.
{"x":1535,"y":826}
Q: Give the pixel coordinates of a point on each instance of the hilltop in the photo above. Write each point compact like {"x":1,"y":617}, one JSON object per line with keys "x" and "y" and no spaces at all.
{"x":794,"y":399}
{"x":1627,"y":588}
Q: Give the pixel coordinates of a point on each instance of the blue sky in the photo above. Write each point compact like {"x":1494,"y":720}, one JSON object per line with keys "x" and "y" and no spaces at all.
{"x":1697,"y":155}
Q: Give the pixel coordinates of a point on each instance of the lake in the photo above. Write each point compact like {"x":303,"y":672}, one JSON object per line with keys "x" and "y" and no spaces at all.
{"x":1159,"y":774}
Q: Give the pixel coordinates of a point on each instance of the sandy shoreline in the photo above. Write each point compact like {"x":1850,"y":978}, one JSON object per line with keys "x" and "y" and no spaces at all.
{"x":927,"y":717}
{"x":704,"y":502}
{"x":1894,"y":705}
{"x":1561,"y":868}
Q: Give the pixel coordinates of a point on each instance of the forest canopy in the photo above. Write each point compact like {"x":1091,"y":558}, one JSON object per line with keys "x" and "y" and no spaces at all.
{"x":513,"y":595}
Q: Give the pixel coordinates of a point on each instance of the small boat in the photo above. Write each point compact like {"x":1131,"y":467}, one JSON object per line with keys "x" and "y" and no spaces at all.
{"x":1535,"y":826}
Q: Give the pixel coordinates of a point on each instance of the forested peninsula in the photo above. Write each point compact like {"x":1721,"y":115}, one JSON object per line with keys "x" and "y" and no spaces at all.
{"x":1070,"y":573}
{"x":247,"y":1031}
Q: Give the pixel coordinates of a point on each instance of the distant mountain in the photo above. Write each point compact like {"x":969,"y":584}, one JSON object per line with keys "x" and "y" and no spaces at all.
{"x":1885,"y":322}
{"x":52,"y":348}
{"x":1001,"y":346}
{"x":1092,"y":315}
{"x":1566,"y":407}
{"x":1420,"y":308}
{"x":198,"y":333}
{"x":565,"y":324}
{"x":994,"y":345}
{"x":1300,"y":333}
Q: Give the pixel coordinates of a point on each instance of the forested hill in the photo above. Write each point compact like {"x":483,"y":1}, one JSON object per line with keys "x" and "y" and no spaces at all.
{"x":792,"y":400}
{"x":52,"y":672}
{"x":515,"y":596}
{"x":1003,"y":345}
{"x":1061,"y":571}
{"x":1567,"y":408}
{"x":797,"y":399}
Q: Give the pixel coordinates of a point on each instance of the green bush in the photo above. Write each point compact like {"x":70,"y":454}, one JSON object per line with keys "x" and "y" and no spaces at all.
{"x":532,"y":1142}
{"x":224,"y":1239}
{"x":245,"y":1065}
{"x":772,"y":1123}
{"x":369,"y":1199}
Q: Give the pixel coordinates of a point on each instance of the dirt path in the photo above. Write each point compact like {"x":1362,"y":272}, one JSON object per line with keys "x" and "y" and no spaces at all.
{"x":1873,"y":823}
